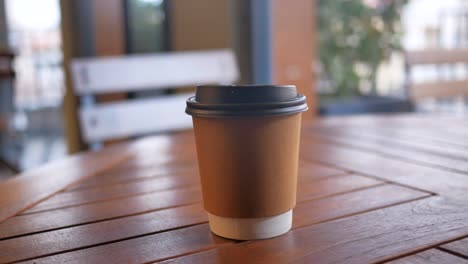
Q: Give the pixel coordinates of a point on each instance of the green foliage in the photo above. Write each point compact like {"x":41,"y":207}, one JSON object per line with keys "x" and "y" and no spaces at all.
{"x":354,"y":38}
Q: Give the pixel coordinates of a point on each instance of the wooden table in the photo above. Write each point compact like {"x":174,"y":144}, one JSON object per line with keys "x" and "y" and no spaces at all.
{"x":371,"y":189}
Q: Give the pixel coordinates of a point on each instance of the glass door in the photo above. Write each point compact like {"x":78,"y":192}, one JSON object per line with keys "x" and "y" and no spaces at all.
{"x":33,"y":34}
{"x":146,"y":26}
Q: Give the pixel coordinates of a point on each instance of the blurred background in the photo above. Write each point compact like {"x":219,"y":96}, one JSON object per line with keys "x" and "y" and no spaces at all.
{"x":348,"y":57}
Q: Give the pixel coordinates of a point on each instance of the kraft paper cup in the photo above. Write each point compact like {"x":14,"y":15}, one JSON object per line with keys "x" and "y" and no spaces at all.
{"x":247,"y":140}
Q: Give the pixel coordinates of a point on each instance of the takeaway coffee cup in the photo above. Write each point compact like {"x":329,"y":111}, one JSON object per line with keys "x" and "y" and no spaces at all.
{"x":247,"y":140}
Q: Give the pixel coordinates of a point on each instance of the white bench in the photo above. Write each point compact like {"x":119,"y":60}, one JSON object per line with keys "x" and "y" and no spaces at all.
{"x":101,"y":75}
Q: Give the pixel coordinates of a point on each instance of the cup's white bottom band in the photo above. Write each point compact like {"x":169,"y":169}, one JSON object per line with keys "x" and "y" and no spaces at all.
{"x":250,"y":228}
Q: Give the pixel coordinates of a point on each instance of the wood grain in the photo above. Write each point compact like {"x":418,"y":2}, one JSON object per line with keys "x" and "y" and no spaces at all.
{"x":439,"y":181}
{"x":432,"y":256}
{"x":79,"y":197}
{"x":306,"y":213}
{"x":332,"y":207}
{"x":127,"y":175}
{"x":417,"y":138}
{"x":427,"y":136}
{"x":313,"y":171}
{"x":171,"y":162}
{"x":33,"y":186}
{"x":84,"y":195}
{"x":54,"y":219}
{"x":48,"y":220}
{"x":370,"y":190}
{"x":454,"y":128}
{"x":460,"y":247}
{"x":97,"y":233}
{"x":333,"y":185}
{"x":364,"y":238}
{"x":169,"y":151}
{"x":402,"y":120}
{"x":144,"y":249}
{"x":405,"y":143}
{"x":154,"y":168}
{"x":392,"y":146}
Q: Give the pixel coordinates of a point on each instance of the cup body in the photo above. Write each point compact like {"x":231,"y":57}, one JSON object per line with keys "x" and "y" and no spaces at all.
{"x":248,"y":168}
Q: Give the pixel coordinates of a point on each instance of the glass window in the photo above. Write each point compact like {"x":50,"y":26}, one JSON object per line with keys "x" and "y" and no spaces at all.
{"x":34,"y":35}
{"x":146,"y":26}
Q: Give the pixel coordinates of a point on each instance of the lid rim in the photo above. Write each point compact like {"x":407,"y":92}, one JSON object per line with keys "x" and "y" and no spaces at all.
{"x":272,"y":112}
{"x":298,"y":100}
{"x":247,"y":100}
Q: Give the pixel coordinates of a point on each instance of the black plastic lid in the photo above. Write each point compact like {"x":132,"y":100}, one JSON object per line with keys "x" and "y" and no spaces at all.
{"x":245,"y":100}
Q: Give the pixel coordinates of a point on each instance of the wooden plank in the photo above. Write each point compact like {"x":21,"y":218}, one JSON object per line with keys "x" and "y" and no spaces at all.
{"x":313,"y":171}
{"x":420,"y":137}
{"x":429,"y":135}
{"x":439,"y":89}
{"x":40,"y":221}
{"x":36,"y":185}
{"x":81,"y":194}
{"x":436,"y":180}
{"x":168,"y":161}
{"x":102,"y":232}
{"x":128,"y":175}
{"x":33,"y":186}
{"x":432,"y":256}
{"x":144,"y":249}
{"x":118,"y":175}
{"x":406,"y":142}
{"x":79,"y":197}
{"x":394,"y":147}
{"x":364,"y":238}
{"x":306,"y":213}
{"x":453,"y":125}
{"x":436,"y":56}
{"x":173,"y":151}
{"x":453,"y":132}
{"x":316,"y":211}
{"x":307,"y":189}
{"x":333,"y":185}
{"x":169,"y":155}
{"x":359,"y":237}
{"x":49,"y":220}
{"x":402,"y":121}
{"x":460,"y":247}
